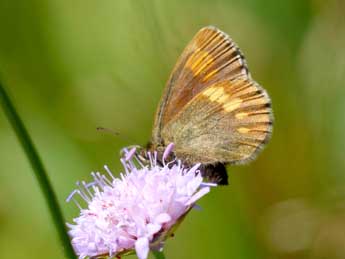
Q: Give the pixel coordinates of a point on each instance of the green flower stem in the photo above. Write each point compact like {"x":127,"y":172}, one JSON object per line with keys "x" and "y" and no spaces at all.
{"x":39,"y":171}
{"x":158,"y":255}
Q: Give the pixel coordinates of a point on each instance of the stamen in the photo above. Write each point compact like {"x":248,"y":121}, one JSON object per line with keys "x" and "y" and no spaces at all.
{"x":106,"y":180}
{"x":109,"y":172}
{"x":137,"y":159}
{"x":130,"y":154}
{"x":88,"y":185}
{"x":157,"y":163}
{"x":179,"y":163}
{"x":131,"y":164}
{"x":87,"y":189}
{"x":194,"y":168}
{"x":167,"y":151}
{"x":101,"y":180}
{"x":208,"y":184}
{"x":171,"y":162}
{"x":77,"y":203}
{"x":97,"y":180}
{"x":96,"y":190}
{"x":124,"y":164}
{"x":124,"y":151}
{"x":150,"y":158}
{"x":83,"y":196}
{"x":68,"y":199}
{"x":82,"y":193}
{"x":179,"y":166}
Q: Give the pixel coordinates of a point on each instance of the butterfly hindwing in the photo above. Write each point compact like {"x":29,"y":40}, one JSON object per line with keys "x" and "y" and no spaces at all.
{"x":227,"y":122}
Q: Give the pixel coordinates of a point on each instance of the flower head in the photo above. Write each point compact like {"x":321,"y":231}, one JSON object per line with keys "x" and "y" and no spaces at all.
{"x":137,"y":211}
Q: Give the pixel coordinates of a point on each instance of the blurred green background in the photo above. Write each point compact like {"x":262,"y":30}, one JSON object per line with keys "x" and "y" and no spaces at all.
{"x":71,"y":66}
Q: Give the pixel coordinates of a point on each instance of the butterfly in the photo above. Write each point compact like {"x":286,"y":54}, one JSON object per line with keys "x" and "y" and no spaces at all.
{"x":211,"y":108}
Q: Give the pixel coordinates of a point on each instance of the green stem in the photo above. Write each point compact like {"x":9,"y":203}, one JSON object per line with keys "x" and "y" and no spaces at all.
{"x":158,"y":255}
{"x":39,"y":171}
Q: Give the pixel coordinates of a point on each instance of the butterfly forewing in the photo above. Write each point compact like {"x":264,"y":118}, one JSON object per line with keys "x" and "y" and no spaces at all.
{"x":211,"y":109}
{"x":211,"y":56}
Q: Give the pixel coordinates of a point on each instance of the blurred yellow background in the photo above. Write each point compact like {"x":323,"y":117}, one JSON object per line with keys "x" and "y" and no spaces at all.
{"x":71,"y":66}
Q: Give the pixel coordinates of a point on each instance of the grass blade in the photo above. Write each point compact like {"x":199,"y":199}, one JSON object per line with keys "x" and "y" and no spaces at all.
{"x":38,"y":169}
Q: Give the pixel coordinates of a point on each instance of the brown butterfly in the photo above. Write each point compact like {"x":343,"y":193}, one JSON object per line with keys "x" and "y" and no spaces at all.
{"x":211,"y":109}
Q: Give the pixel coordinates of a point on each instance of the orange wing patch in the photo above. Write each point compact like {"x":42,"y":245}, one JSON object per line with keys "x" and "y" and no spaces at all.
{"x":217,"y":94}
{"x":232,"y":104}
{"x":198,"y":61}
{"x":241,"y":115}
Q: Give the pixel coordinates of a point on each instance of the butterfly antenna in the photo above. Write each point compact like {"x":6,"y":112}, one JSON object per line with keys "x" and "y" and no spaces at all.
{"x":113,"y":132}
{"x":116,"y":133}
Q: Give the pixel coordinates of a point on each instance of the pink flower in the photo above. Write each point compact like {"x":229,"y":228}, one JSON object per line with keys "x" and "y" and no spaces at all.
{"x":137,"y":211}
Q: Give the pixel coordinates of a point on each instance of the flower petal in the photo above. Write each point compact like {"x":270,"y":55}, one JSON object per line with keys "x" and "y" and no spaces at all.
{"x":153,"y":229}
{"x":162,"y":218}
{"x":198,"y":195}
{"x":142,"y":247}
